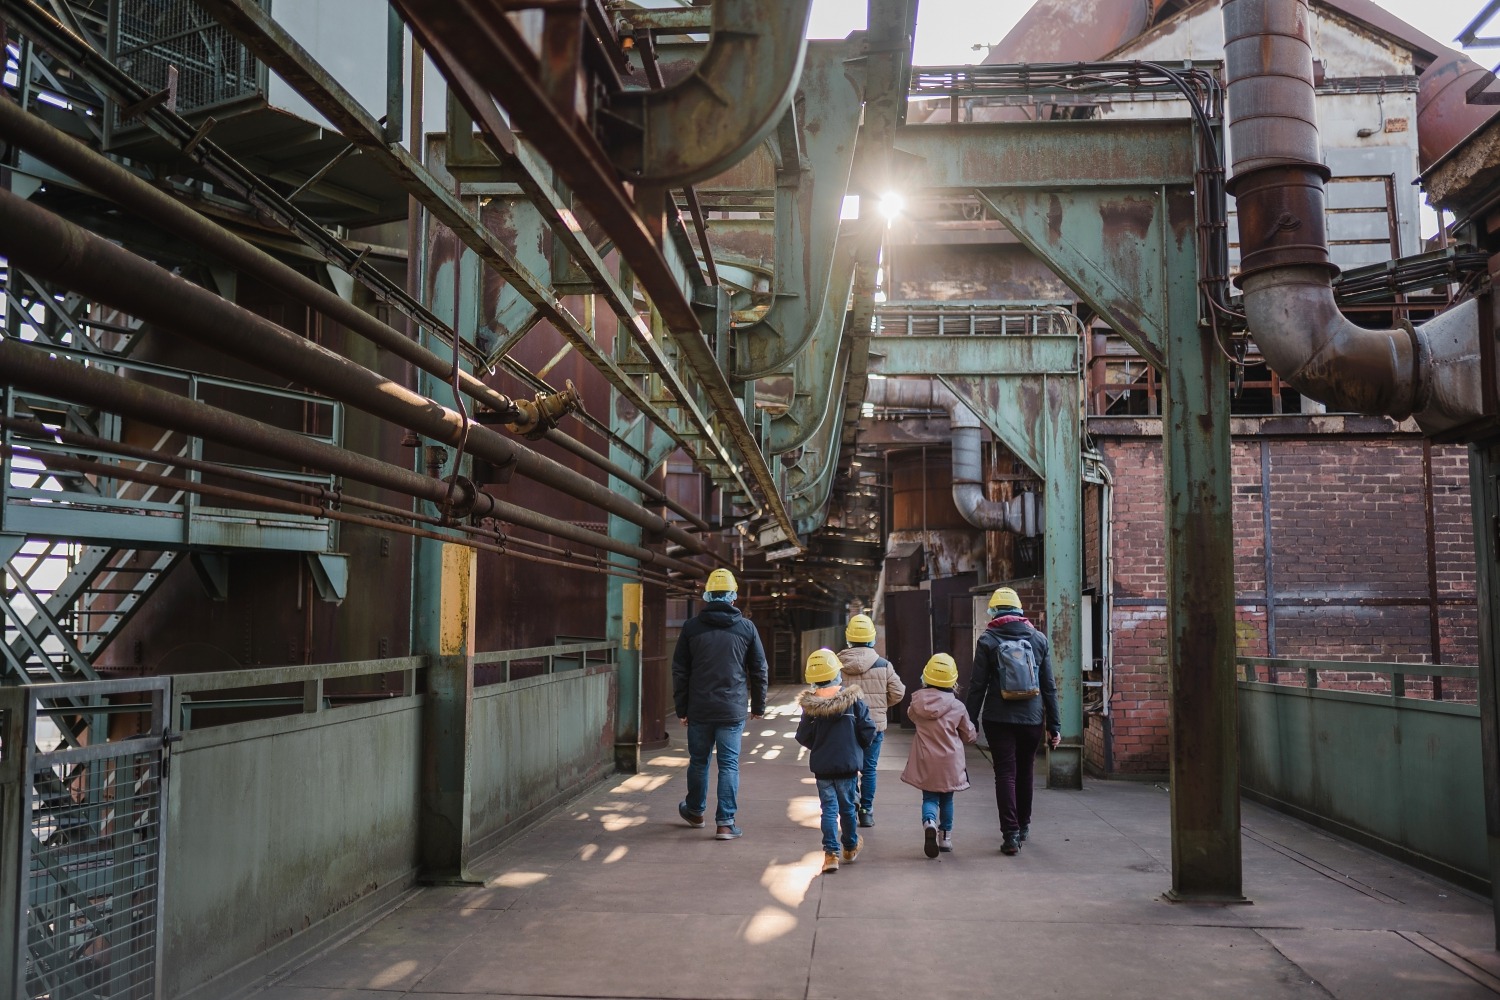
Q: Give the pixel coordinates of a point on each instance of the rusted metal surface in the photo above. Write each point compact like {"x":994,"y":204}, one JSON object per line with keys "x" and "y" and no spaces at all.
{"x":1073,"y":30}
{"x":1445,"y":117}
{"x":1429,"y":371}
{"x":31,"y":368}
{"x":684,"y":133}
{"x":498,"y":58}
{"x":809,"y":199}
{"x":1282,"y":213}
{"x":49,"y":246}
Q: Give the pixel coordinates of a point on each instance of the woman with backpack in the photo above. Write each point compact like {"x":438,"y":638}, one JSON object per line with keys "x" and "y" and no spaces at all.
{"x":1012,"y":695}
{"x":882,"y":688}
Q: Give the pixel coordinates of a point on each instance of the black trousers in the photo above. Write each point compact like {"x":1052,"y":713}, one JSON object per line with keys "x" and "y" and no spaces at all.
{"x":1013,"y":748}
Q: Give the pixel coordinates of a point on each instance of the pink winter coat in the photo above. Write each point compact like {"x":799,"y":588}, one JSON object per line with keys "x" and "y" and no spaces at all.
{"x":936,"y":762}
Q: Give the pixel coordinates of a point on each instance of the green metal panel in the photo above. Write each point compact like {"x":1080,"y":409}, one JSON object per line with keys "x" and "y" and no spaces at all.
{"x":272,"y":836}
{"x":1048,"y":155}
{"x":1019,"y":354}
{"x":538,"y":740}
{"x":1400,"y":774}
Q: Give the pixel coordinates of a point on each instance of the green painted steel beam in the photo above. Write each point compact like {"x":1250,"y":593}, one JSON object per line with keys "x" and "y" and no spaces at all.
{"x":619,"y":627}
{"x":808,"y":206}
{"x":1039,"y":354}
{"x":1051,"y":156}
{"x":1109,"y":207}
{"x":1037,"y":417}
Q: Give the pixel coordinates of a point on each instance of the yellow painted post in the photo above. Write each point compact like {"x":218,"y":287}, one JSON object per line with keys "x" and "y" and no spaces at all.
{"x":448,"y":721}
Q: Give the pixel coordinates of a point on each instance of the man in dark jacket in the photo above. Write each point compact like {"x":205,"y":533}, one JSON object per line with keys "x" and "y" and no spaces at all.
{"x":1011,"y":695}
{"x":717,"y":668}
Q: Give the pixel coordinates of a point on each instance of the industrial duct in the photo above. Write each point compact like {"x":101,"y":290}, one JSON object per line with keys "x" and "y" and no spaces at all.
{"x":1021,"y":514}
{"x":707,"y":122}
{"x":1430,"y":372}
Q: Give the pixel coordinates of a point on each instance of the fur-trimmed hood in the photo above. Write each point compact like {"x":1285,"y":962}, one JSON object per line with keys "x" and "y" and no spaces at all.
{"x":816,"y":703}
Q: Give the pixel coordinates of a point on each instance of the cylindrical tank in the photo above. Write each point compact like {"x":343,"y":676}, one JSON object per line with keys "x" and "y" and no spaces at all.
{"x":1444,"y":115}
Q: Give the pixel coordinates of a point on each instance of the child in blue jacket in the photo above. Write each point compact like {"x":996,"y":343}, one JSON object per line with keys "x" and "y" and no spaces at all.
{"x":836,"y":727}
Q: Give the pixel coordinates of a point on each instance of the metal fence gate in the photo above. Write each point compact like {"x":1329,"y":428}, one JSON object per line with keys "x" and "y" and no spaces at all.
{"x":83,"y":845}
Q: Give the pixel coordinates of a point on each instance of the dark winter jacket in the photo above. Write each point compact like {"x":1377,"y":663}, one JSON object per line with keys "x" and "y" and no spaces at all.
{"x":718,"y":666}
{"x":986,"y":678}
{"x":836,"y":727}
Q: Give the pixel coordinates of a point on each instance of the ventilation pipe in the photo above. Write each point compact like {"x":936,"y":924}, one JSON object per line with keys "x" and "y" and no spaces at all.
{"x":1021,"y":514}
{"x":1430,"y":372}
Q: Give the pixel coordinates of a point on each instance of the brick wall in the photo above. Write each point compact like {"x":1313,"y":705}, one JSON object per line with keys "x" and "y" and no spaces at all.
{"x":1353,"y":571}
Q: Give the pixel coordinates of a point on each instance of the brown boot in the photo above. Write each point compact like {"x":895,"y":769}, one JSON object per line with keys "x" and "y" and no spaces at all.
{"x":830,"y":862}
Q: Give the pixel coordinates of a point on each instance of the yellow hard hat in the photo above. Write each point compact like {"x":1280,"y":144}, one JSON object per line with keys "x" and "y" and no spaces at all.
{"x":721,"y":579}
{"x":1005,"y":598}
{"x":822,"y":666}
{"x":860,"y":629}
{"x":940,"y":671}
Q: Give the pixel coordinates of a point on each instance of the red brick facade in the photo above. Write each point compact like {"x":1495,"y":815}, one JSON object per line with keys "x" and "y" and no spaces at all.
{"x":1355,"y":566}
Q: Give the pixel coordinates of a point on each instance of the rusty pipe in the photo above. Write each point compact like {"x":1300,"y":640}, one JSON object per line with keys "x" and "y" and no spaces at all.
{"x":129,"y":191}
{"x":1429,"y":371}
{"x":32,"y":369}
{"x":499,"y":545}
{"x":1021,"y":514}
{"x":37,"y":241}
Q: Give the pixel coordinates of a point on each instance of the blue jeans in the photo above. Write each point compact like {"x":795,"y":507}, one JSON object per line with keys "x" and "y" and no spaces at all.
{"x":867,"y":775}
{"x":938,"y":807}
{"x":703,"y":739}
{"x":837,"y":796}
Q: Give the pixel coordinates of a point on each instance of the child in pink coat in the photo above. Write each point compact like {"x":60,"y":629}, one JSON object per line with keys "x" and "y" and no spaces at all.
{"x":936,"y":763}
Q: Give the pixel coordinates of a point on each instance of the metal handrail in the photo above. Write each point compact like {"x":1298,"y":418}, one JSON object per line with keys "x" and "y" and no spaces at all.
{"x":549,"y":654}
{"x":1398,"y":672}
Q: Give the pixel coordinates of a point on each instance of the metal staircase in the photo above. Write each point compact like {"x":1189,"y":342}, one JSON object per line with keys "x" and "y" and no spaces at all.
{"x":82,"y":549}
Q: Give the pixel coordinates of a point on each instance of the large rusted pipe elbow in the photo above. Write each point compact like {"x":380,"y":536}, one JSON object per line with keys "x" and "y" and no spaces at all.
{"x":1426,"y":372}
{"x":709,"y":121}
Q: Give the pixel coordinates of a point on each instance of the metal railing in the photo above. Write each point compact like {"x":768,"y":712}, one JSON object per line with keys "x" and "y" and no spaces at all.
{"x":563,"y":656}
{"x":230,"y":694}
{"x":84,"y":829}
{"x":38,"y":501}
{"x":1268,"y":670}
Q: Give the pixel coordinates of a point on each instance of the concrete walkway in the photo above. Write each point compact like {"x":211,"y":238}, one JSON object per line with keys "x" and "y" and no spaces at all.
{"x":613,"y":896}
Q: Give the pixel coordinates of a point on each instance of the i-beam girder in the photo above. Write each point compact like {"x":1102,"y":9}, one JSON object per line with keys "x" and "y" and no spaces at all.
{"x":1108,"y":205}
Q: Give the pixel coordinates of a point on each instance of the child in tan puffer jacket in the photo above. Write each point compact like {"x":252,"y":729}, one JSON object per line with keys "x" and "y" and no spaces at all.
{"x":882,"y":687}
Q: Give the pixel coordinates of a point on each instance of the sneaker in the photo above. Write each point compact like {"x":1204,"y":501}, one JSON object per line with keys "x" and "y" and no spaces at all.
{"x":1010,"y":845}
{"x":945,"y":841}
{"x":830,"y":862}
{"x":867,"y":817}
{"x":728,"y":832}
{"x":692,"y":819}
{"x":850,"y":853}
{"x":929,"y":838}
{"x":1022,"y":834}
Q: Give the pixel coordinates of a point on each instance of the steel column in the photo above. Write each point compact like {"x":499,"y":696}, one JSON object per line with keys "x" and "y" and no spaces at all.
{"x":1484,"y":486}
{"x":444,"y":633}
{"x":624,"y":599}
{"x":1120,"y":230}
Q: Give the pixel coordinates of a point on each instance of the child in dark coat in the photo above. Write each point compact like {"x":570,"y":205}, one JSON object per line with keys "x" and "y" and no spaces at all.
{"x":836,"y":727}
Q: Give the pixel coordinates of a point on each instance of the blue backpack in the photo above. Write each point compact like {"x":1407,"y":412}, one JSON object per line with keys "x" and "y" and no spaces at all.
{"x":1016,"y":663}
